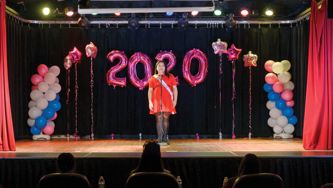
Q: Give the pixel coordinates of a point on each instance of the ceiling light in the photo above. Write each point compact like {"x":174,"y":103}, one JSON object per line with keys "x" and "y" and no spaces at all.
{"x":46,"y":11}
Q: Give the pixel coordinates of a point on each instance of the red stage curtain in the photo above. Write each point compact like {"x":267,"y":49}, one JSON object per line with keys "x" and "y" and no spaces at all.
{"x":318,"y":117}
{"x":7,"y":140}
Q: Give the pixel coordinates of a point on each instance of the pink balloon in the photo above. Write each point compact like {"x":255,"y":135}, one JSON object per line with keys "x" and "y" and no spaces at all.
{"x":233,"y":53}
{"x":91,"y":50}
{"x":111,"y":75}
{"x":54,"y":116}
{"x":290,"y":103}
{"x":268,"y":65}
{"x":168,"y":55}
{"x":34,"y":88}
{"x":136,"y":58}
{"x":203,"y":67}
{"x":76,"y":55}
{"x":287,"y":95}
{"x":220,"y":47}
{"x":271,"y":78}
{"x":48,"y":130}
{"x":36,"y":79}
{"x":278,"y":87}
{"x":68,"y":61}
{"x":42,"y":70}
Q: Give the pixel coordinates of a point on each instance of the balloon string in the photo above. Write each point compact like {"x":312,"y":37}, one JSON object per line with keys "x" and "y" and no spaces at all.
{"x":92,"y":99}
{"x":220,"y":93}
{"x":76,"y":101}
{"x":250,"y":104}
{"x":68,"y":83}
{"x":233,"y":99}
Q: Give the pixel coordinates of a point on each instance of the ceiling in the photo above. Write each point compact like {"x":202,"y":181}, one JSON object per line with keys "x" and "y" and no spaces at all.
{"x":283,"y":9}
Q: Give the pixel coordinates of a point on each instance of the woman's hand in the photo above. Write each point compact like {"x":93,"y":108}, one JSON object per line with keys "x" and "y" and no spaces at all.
{"x":174,"y":103}
{"x":151,"y":106}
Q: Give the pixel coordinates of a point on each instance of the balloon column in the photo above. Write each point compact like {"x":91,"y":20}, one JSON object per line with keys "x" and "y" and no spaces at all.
{"x":44,"y":102}
{"x":250,"y":60}
{"x":280,"y":95}
{"x":233,"y":54}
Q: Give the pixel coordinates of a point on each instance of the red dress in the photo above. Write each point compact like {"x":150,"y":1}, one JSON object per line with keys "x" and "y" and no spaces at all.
{"x":167,"y":104}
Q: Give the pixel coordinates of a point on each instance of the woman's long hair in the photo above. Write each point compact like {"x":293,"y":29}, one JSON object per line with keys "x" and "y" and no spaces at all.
{"x":250,"y":164}
{"x":151,"y":158}
{"x":166,"y":73}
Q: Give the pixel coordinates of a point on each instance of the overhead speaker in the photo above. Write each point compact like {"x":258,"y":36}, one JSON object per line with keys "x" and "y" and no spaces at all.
{"x":330,"y":9}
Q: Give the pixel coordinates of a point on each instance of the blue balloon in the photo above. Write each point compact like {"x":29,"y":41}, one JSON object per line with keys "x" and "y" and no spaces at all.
{"x":48,"y":113}
{"x":280,"y":104}
{"x":57,"y":97}
{"x":292,"y":120}
{"x":40,"y":122}
{"x":288,"y":112}
{"x":55,"y":105}
{"x":272,"y":96}
{"x":34,"y":130}
{"x":268,"y":87}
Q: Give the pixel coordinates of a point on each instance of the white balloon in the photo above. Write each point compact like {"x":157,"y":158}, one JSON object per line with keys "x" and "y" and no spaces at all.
{"x":284,"y":77}
{"x":51,"y":123}
{"x":55,"y":70}
{"x":42,"y":103}
{"x":36,"y":94}
{"x":277,"y":129}
{"x":50,"y":95}
{"x":32,"y":104}
{"x":43,"y":86}
{"x":31,"y":122}
{"x":34,"y":113}
{"x":271,"y":122}
{"x":289,"y":85}
{"x":289,"y":129}
{"x":56,"y":87}
{"x":270,"y":105}
{"x":277,"y":67}
{"x":286,"y":65}
{"x":50,"y":78}
{"x":275,"y":113}
{"x":282,"y":121}
{"x":57,"y":80}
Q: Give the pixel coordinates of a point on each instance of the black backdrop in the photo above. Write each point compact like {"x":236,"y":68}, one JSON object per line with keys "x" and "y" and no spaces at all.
{"x":124,"y":111}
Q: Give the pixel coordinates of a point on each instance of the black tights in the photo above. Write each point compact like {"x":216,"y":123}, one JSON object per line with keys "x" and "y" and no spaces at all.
{"x":162,"y":126}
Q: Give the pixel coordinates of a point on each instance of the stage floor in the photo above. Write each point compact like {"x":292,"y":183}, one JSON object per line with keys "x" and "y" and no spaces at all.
{"x":177,"y":148}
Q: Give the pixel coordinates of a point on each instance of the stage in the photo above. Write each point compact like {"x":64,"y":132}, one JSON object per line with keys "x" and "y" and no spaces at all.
{"x":201,"y":163}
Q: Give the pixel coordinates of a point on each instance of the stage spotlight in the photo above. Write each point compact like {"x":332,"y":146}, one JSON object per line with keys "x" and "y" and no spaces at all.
{"x":133,"y":22}
{"x":194,"y":13}
{"x":244,"y":12}
{"x":269,"y":12}
{"x":46,"y":11}
{"x":169,"y":13}
{"x":83,"y":21}
{"x":69,"y":11}
{"x":117,"y":13}
{"x":94,"y":14}
{"x":218,"y":8}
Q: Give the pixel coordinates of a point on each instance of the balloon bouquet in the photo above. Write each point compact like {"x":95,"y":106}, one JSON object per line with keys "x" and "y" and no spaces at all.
{"x":44,"y":102}
{"x":280,"y":95}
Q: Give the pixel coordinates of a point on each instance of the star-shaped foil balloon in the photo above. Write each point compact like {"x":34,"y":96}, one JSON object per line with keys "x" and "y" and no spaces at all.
{"x":76,"y":55}
{"x":220,"y":47}
{"x":91,"y":50}
{"x":233,"y":53}
{"x":250,"y":59}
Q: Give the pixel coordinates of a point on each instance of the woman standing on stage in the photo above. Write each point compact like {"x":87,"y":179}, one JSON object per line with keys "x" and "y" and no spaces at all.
{"x":162,"y":98}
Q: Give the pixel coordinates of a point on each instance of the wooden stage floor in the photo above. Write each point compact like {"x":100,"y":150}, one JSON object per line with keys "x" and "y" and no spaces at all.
{"x":178,"y":148}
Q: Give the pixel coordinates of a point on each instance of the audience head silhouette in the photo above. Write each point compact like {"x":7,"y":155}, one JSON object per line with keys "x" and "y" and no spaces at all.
{"x":249,"y":165}
{"x":151,"y":158}
{"x":66,"y":162}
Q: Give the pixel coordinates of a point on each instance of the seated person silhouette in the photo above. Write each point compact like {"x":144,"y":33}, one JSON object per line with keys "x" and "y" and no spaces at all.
{"x":250,"y":164}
